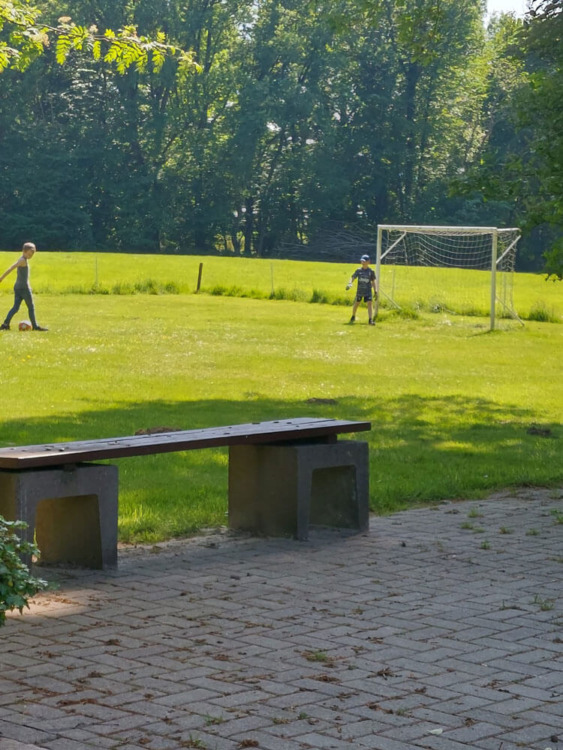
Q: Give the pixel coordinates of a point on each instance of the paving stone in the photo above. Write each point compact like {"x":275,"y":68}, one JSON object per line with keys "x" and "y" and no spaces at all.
{"x":63,"y":743}
{"x":14,"y":730}
{"x":492,"y":743}
{"x":536,"y":733}
{"x":210,"y":639}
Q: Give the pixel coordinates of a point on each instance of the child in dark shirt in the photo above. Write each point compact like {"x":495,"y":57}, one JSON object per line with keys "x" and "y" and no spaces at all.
{"x":366,"y":291}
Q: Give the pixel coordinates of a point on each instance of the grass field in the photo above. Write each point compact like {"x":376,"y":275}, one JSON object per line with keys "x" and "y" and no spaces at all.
{"x":457,"y":412}
{"x":111,"y":273}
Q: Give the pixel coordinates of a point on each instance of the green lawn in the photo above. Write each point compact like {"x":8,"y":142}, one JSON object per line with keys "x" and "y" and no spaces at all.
{"x":105,"y":273}
{"x":451,"y":405}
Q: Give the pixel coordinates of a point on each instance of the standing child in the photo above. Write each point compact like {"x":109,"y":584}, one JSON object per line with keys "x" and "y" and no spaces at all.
{"x":366,"y":290}
{"x":22,"y":289}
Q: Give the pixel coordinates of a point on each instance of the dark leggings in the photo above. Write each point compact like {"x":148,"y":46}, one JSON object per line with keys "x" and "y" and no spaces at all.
{"x":22,"y":295}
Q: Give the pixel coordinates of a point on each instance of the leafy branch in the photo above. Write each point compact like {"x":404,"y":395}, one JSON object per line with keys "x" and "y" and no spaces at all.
{"x":27,"y":39}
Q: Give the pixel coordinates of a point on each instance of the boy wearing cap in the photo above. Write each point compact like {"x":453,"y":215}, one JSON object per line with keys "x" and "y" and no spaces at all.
{"x":366,"y":290}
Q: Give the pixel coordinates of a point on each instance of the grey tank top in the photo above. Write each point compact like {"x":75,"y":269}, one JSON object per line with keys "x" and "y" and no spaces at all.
{"x":22,"y":280}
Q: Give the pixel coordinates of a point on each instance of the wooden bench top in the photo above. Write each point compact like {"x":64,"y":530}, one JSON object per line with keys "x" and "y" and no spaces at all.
{"x":278,"y":431}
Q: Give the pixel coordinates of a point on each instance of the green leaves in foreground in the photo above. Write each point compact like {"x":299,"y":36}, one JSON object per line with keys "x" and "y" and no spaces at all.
{"x":126,"y":49}
{"x":17,"y":585}
{"x":27,"y":39}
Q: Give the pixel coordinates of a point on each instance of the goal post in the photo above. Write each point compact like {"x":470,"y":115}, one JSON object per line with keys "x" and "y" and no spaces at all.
{"x":474,"y":268}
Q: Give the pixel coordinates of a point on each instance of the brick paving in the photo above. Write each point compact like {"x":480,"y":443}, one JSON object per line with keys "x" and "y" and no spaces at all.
{"x":441,"y":628}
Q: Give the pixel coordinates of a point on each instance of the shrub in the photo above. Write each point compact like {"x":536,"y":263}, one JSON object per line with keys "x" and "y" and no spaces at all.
{"x":319,"y":297}
{"x":543,"y":314}
{"x":292,"y":295}
{"x":17,"y":584}
{"x":406,"y":313}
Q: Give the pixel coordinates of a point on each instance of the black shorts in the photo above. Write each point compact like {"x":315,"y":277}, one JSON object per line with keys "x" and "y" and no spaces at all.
{"x":364,"y":297}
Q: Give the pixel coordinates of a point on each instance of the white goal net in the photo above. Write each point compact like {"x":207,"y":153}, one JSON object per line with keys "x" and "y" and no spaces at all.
{"x":456,"y":270}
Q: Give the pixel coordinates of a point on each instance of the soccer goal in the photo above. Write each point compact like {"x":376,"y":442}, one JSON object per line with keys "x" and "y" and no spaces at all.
{"x":456,"y":270}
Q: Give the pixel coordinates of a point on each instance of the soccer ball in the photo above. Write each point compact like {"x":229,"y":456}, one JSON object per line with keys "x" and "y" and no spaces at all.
{"x":25,"y":325}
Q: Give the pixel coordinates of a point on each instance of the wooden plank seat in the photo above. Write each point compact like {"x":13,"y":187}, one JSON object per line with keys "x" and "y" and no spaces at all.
{"x":284,"y":475}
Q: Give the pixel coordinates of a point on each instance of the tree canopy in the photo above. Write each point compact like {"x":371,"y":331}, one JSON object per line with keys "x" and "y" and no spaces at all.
{"x":250,"y":127}
{"x":540,"y":110}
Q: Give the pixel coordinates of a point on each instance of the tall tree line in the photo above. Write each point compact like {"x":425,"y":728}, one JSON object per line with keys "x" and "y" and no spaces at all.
{"x":299,"y":113}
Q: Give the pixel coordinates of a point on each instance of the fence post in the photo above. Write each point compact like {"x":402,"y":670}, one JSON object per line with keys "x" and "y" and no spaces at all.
{"x":199,"y":277}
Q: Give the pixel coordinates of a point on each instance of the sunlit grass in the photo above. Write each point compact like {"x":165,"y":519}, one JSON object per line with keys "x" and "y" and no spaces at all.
{"x":450,"y":404}
{"x":451,"y":291}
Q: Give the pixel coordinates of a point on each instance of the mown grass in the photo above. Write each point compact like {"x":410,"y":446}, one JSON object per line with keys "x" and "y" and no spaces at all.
{"x":450,"y":404}
{"x":418,"y":290}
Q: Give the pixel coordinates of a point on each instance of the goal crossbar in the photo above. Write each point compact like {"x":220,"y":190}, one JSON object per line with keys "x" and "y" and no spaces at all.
{"x":428,"y":229}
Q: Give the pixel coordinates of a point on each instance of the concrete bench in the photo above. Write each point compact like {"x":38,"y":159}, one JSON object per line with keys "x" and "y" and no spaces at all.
{"x":283,"y":476}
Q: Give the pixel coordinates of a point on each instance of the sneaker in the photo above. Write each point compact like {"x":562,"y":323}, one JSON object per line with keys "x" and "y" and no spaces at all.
{"x":371,"y":322}
{"x":353,"y":319}
{"x":40,"y":328}
{"x":4,"y":327}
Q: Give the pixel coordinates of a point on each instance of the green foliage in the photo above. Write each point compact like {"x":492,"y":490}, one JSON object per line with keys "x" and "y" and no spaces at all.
{"x":319,"y":297}
{"x":280,"y":132}
{"x":17,"y":585}
{"x":22,"y":39}
{"x":407,"y":312}
{"x":554,"y":261}
{"x":299,"y":117}
{"x":147,"y":286}
{"x":125,"y":48}
{"x":520,"y":161}
{"x":543,"y":314}
{"x":539,"y":111}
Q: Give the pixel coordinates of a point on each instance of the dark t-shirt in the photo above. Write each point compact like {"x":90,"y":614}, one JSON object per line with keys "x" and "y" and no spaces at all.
{"x":365,"y":276}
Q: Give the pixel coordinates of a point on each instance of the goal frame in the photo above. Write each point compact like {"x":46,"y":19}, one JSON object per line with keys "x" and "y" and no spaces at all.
{"x":444,"y":230}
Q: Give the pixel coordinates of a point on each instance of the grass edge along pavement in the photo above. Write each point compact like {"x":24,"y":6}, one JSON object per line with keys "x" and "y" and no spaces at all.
{"x":456,"y":413}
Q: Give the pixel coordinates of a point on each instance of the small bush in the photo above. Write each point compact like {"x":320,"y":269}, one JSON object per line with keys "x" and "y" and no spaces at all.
{"x":94,"y":289}
{"x":406,"y":313}
{"x":435,"y":305}
{"x":218,"y":291}
{"x":472,"y":311}
{"x":340,"y":300}
{"x":148,"y":286}
{"x":227,"y":291}
{"x":17,"y":584}
{"x":122,"y":289}
{"x":319,"y":297}
{"x":171,"y":288}
{"x":291,"y":295}
{"x":543,"y":314}
{"x":253,"y":294}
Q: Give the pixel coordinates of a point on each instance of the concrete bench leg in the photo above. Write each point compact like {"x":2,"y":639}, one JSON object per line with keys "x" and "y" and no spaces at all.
{"x":71,"y":513}
{"x":280,"y":490}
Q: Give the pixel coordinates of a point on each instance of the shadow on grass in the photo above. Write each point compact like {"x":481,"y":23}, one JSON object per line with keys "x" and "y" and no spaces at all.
{"x":422,"y":450}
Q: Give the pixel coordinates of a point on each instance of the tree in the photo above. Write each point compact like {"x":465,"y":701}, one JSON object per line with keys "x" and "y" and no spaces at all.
{"x":301,"y":114}
{"x":520,"y":164}
{"x":539,"y":110}
{"x":80,"y":160}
